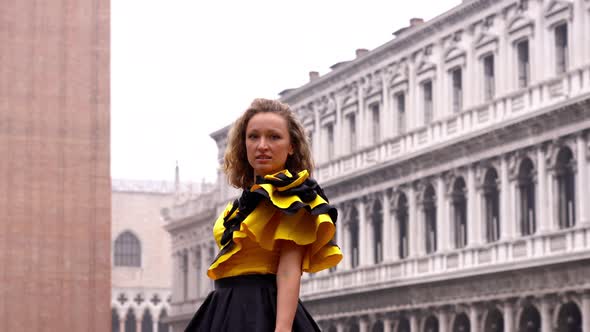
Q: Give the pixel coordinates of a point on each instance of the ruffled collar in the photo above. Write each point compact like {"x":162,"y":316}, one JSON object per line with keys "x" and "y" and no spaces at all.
{"x":283,"y":184}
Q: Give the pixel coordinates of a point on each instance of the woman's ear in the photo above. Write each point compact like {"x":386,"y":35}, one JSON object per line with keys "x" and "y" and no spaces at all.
{"x":291,"y":149}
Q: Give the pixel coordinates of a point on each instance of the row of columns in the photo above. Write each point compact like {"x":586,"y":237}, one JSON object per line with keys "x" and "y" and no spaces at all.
{"x":542,"y":51}
{"x":512,"y":314}
{"x":138,"y":323}
{"x":190,"y":272}
{"x":545,"y":205}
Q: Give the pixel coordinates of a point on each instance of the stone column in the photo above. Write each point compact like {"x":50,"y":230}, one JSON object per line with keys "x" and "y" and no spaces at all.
{"x":412,"y":223}
{"x":192,"y":274}
{"x":472,"y":220}
{"x":420,"y":243}
{"x":203,"y":280}
{"x":387,"y":237}
{"x":177,"y":274}
{"x":154,"y":325}
{"x":473,"y":319}
{"x":122,"y":323}
{"x":386,"y":111}
{"x":338,"y":127}
{"x":370,"y":235}
{"x":138,"y":319}
{"x":340,"y":327}
{"x":347,"y":245}
{"x":542,"y":202}
{"x":506,"y":218}
{"x":317,"y":136}
{"x":585,"y":312}
{"x":414,"y":323}
{"x":578,"y":35}
{"x":508,"y":317}
{"x":363,"y":225}
{"x":387,"y":325}
{"x":582,"y":180}
{"x":442,"y":228}
{"x":411,"y":99}
{"x":545,"y":311}
{"x":362,"y":121}
{"x":363,"y":324}
{"x":443,"y":321}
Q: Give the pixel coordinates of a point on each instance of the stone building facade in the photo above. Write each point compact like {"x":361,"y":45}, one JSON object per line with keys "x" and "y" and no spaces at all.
{"x":55,"y":169}
{"x":141,"y":274}
{"x":458,"y":157}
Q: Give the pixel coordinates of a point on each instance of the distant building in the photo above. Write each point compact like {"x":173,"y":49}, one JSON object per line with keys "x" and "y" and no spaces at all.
{"x":458,"y":156}
{"x":141,"y":261}
{"x":55,"y":189}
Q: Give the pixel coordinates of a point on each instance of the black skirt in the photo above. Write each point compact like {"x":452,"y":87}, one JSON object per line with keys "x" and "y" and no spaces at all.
{"x":245,"y":303}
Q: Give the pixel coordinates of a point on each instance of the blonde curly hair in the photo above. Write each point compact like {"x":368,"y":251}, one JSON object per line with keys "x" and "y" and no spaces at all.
{"x":238,"y":170}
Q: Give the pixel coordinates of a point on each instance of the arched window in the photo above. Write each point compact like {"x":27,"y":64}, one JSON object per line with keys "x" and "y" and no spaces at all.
{"x":526,"y":190}
{"x":430,"y":219}
{"x":492,"y":205}
{"x":459,"y":201}
{"x":530,"y":320}
{"x":564,"y":174}
{"x":147,"y":323}
{"x":431,"y":324}
{"x":403,"y":325}
{"x":162,"y":326}
{"x":130,"y":325}
{"x":494,"y":321}
{"x":461,"y":323}
{"x":378,"y":326}
{"x":402,"y":221}
{"x":114,"y":321}
{"x":570,"y":318}
{"x":353,"y":228}
{"x":377,"y":221}
{"x":127,"y":250}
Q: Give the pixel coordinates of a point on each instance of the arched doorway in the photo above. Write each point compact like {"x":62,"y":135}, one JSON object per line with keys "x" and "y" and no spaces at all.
{"x":530,"y":320}
{"x":494,"y":321}
{"x":569,"y":318}
{"x":147,"y":323}
{"x":461,"y":323}
{"x":431,"y":324}
{"x":130,"y":321}
{"x":162,"y":327}
{"x":115,"y":321}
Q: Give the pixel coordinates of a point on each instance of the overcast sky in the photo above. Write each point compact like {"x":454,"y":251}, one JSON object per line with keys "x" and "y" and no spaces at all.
{"x":181,"y":69}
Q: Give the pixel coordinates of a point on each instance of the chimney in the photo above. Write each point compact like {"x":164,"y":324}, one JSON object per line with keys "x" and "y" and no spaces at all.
{"x":414,"y":22}
{"x":361,"y":51}
{"x":313,"y":75}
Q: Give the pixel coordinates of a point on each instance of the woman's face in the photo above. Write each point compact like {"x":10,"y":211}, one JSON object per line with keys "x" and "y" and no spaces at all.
{"x":268,"y":143}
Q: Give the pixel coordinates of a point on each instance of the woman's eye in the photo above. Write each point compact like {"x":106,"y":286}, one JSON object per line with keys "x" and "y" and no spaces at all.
{"x":275,"y":137}
{"x":252,"y":136}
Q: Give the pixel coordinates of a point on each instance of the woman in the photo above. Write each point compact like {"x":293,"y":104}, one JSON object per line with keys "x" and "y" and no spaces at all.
{"x":281,"y":226}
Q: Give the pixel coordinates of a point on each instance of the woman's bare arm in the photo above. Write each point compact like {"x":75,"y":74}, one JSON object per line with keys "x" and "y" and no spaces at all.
{"x":288,"y":282}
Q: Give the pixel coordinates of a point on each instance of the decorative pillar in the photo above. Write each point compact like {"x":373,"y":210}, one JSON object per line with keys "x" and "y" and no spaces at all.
{"x":578,"y":34}
{"x":414,"y":323}
{"x":387,"y":238}
{"x":474,"y":319}
{"x":203,"y":279}
{"x":394,"y":226}
{"x":443,"y":321}
{"x":508,"y":317}
{"x":387,"y":324}
{"x":369,"y":243}
{"x":347,"y":248}
{"x":339,"y":327}
{"x":581,"y":181}
{"x":177,"y":283}
{"x":586,"y":311}
{"x":363,"y":324}
{"x":122,"y":319}
{"x":545,"y":311}
{"x":362,"y":122}
{"x":442,"y":228}
{"x":472,"y":220}
{"x":338,"y":126}
{"x":138,"y":319}
{"x":192,"y":274}
{"x":412,"y":223}
{"x":363,"y":225}
{"x":386,"y":111}
{"x":412,"y":98}
{"x":154,"y":325}
{"x":542,"y":202}
{"x":506,"y":218}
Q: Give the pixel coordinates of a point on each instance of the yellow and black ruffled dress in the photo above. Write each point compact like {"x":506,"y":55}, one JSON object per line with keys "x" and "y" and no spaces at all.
{"x":279,"y":207}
